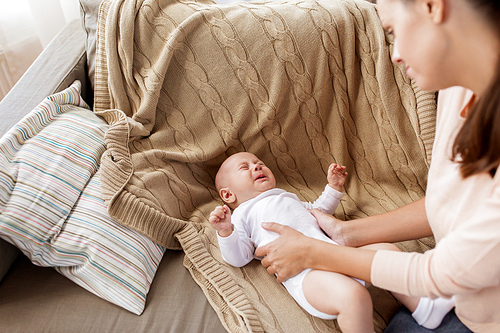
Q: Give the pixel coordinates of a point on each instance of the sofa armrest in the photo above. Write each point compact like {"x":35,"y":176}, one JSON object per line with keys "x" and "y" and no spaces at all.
{"x":60,"y":63}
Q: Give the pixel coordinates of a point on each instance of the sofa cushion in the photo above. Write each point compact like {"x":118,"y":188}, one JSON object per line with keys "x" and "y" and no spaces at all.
{"x":51,"y":205}
{"x":47,"y":75}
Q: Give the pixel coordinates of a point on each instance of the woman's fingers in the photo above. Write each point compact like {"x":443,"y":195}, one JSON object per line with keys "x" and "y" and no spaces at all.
{"x":273,"y":226}
{"x":284,"y":256}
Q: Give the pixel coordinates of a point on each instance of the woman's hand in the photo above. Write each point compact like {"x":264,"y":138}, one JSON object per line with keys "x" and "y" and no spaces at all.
{"x":292,"y":252}
{"x":405,"y":223}
{"x":333,"y":227}
{"x":287,"y":255}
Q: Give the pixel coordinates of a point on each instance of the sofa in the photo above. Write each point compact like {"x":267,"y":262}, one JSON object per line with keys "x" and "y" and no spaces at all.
{"x":189,"y":294}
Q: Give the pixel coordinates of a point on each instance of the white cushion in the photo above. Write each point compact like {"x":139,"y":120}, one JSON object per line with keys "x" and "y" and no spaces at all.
{"x":51,"y":206}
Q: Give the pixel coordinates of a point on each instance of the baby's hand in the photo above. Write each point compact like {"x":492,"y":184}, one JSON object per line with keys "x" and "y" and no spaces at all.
{"x":220,"y":219}
{"x":336,"y":176}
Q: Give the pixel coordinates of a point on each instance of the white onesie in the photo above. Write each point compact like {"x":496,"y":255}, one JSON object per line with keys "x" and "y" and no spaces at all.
{"x":277,"y":205}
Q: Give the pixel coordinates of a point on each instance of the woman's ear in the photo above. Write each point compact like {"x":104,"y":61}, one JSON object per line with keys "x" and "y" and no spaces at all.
{"x":227,"y":195}
{"x":435,"y":9}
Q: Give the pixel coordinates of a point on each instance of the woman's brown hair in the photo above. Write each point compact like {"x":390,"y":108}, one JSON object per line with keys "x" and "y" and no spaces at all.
{"x":477,"y":145}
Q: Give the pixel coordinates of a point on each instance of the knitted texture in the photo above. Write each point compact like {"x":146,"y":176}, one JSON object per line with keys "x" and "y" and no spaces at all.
{"x":301,"y":84}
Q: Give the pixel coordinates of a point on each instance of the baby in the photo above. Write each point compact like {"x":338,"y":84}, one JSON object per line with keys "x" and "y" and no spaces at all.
{"x":248,"y":187}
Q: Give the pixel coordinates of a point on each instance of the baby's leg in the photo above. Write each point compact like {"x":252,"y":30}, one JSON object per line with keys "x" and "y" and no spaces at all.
{"x":337,"y":294}
{"x":428,"y":313}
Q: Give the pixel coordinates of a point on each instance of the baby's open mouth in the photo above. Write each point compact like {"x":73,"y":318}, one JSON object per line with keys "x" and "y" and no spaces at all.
{"x":260,"y":177}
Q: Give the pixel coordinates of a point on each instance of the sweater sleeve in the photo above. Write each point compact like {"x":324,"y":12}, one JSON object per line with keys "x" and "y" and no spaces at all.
{"x":237,"y":249}
{"x":464,"y":261}
{"x":327,"y":202}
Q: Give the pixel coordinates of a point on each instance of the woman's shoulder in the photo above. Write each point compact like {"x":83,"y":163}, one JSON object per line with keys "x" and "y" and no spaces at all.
{"x":454,"y":98}
{"x":455,"y":91}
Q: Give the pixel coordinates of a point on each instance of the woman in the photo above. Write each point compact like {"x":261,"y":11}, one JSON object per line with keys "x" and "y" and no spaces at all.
{"x":444,"y":44}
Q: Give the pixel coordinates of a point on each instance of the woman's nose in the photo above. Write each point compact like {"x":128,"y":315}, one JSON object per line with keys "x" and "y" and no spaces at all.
{"x":396,"y":57}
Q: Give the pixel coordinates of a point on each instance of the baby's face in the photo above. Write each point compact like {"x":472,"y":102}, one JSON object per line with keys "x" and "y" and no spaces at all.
{"x":246,"y":176}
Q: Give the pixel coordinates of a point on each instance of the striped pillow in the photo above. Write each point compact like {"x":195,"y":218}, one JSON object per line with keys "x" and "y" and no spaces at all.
{"x":51,"y":205}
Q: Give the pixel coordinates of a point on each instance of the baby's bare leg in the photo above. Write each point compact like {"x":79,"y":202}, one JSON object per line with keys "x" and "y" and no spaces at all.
{"x":340,"y":295}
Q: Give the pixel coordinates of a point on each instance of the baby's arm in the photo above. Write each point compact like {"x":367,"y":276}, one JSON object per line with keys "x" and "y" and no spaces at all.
{"x":336,"y":176}
{"x":235,"y":245}
{"x":330,"y":198}
{"x":220,"y":219}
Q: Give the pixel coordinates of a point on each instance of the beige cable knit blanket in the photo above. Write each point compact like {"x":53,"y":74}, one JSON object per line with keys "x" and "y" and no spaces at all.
{"x":301,"y":84}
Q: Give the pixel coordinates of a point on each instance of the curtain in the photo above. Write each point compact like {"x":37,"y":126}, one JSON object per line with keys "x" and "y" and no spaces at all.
{"x":26,"y":27}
